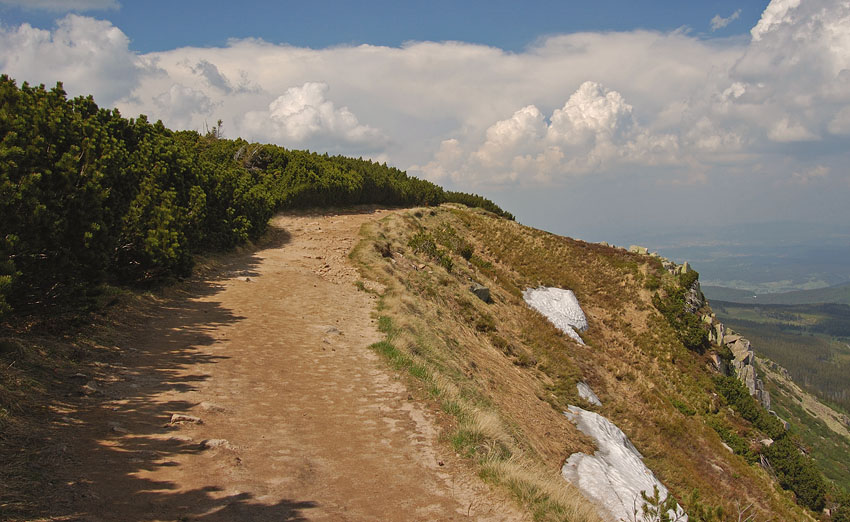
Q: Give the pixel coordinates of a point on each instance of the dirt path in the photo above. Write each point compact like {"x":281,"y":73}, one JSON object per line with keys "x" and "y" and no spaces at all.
{"x":301,"y":421}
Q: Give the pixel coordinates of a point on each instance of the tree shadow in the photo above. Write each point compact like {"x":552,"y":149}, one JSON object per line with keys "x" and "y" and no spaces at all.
{"x":110,"y":426}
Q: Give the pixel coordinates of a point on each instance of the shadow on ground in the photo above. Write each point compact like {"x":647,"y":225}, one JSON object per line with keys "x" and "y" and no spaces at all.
{"x":106,"y":414}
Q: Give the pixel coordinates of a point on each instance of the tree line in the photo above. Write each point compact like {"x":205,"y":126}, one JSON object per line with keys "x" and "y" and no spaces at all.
{"x":88,"y":197}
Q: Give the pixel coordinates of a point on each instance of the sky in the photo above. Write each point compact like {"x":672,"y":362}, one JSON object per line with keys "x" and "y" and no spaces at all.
{"x":603,"y":120}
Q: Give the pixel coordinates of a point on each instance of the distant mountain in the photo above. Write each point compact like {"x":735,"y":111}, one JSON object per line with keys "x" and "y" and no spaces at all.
{"x":834,"y":294}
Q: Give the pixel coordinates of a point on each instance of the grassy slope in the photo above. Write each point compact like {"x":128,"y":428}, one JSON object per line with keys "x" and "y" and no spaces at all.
{"x":505,"y":374}
{"x":819,"y":426}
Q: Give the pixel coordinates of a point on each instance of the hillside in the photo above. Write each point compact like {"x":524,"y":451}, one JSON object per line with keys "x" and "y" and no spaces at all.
{"x":493,"y":376}
{"x":810,"y":340}
{"x":824,"y":431}
{"x":507,"y":374}
{"x":175,"y":348}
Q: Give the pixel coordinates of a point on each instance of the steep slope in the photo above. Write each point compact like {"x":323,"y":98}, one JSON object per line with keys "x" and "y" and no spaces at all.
{"x":507,"y":374}
{"x":824,"y":431}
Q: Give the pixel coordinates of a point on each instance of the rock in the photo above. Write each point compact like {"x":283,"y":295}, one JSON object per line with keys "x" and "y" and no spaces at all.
{"x":210,"y":407}
{"x":719,"y":332}
{"x":331,"y":330}
{"x":718,"y":363}
{"x":766,"y":442}
{"x":481,"y":291}
{"x":215,"y":443}
{"x":694,"y":300}
{"x":637,"y":249}
{"x":727,"y":447}
{"x":587,"y":394}
{"x":730,"y":338}
{"x":604,"y":243}
{"x":178,"y":418}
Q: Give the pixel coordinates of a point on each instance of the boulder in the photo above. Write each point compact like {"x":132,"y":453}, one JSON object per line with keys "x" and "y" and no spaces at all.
{"x":481,"y":291}
{"x":719,"y":364}
{"x":637,"y":249}
{"x":179,"y":418}
{"x":730,"y":338}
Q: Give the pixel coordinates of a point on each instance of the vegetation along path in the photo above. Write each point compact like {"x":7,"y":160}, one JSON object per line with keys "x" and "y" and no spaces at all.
{"x":254,"y":397}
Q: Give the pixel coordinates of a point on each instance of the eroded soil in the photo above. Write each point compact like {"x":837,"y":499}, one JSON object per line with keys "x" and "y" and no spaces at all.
{"x":289,"y":415}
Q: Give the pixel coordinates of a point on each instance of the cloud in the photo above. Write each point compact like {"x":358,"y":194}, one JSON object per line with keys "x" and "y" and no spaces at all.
{"x":718,"y":22}
{"x":64,"y":5}
{"x":669,"y":108}
{"x":212,"y":75}
{"x":180,"y":103}
{"x":594,"y":129}
{"x":89,"y":56}
{"x":818,"y":172}
{"x":777,"y":13}
{"x":303,"y":113}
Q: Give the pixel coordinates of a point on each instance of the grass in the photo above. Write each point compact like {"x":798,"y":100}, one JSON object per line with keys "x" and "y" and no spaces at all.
{"x":504,"y":374}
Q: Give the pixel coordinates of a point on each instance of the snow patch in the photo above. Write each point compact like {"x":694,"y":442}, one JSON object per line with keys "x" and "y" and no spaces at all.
{"x":560,"y":307}
{"x":615,"y":475}
{"x":587,"y":394}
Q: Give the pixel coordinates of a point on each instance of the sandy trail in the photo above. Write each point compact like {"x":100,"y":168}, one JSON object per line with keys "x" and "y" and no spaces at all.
{"x":302,"y":421}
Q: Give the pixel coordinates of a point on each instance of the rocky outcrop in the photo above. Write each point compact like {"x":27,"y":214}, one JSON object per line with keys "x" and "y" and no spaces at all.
{"x":743,"y":358}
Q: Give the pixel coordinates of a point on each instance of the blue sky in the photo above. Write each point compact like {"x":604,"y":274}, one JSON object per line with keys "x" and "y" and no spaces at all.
{"x":156,"y":25}
{"x":598,"y":120}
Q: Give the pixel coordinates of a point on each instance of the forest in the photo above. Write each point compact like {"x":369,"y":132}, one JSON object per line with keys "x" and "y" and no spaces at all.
{"x":90,"y":198}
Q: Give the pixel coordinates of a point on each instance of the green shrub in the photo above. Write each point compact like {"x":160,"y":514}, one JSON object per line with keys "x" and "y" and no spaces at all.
{"x":87,"y":196}
{"x":797,"y":472}
{"x":424,"y":243}
{"x":737,"y":396}
{"x":687,"y":279}
{"x":688,"y":326}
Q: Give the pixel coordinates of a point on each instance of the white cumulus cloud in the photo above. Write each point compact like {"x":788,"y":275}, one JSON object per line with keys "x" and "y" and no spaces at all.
{"x":595,"y":128}
{"x":89,"y":56}
{"x":664,"y":107}
{"x":303,"y":113}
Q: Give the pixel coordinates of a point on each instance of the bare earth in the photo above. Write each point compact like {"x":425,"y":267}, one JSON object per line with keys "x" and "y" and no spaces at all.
{"x":301,"y":420}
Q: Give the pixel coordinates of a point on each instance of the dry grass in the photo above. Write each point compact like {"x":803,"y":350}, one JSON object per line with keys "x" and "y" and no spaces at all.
{"x":505,"y":374}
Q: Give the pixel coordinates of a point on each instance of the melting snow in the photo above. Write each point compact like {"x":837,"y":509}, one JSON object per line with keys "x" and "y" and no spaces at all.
{"x":615,"y":475}
{"x":560,"y":307}
{"x":587,"y":394}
